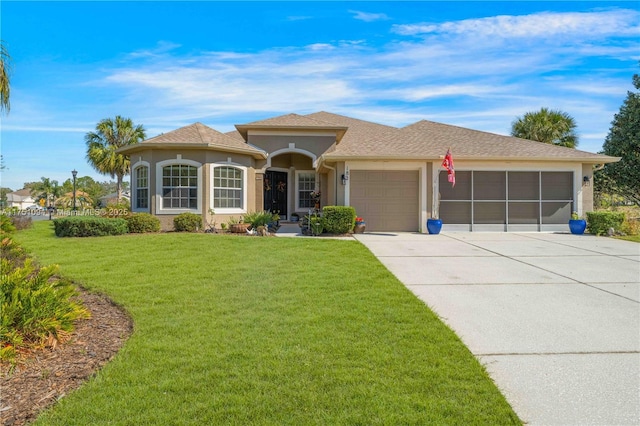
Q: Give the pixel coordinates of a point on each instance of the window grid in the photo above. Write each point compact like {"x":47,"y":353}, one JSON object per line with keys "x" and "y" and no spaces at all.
{"x":180,"y":186}
{"x":306,"y":185}
{"x":142,"y":187}
{"x":227,"y":187}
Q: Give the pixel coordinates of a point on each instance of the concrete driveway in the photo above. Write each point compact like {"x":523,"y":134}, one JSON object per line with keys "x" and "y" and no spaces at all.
{"x":555,"y":318}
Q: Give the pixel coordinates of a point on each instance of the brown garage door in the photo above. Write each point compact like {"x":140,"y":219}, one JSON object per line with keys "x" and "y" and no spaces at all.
{"x":386,"y":199}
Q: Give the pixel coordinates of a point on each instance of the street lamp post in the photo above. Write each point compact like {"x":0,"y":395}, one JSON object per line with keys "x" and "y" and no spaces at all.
{"x":74,"y":172}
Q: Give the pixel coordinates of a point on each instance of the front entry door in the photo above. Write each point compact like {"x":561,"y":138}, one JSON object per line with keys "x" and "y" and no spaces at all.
{"x":275,"y":192}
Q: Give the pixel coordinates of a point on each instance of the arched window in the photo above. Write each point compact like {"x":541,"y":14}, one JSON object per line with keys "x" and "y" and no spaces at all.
{"x":229,"y":183}
{"x":141,"y":182}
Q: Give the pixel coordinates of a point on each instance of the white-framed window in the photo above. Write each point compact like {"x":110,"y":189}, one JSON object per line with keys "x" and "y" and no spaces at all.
{"x":141,"y":175}
{"x":305,"y":185}
{"x":140,"y":187}
{"x":229,"y":188}
{"x":178,"y":183}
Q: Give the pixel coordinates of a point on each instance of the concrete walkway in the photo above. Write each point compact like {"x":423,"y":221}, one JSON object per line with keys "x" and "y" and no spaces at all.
{"x":555,"y":318}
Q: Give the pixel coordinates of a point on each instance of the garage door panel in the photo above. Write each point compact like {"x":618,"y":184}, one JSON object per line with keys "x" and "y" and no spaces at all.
{"x":388,"y":200}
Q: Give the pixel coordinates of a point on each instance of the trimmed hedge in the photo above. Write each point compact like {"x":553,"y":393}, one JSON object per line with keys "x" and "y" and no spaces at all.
{"x":599,"y":222}
{"x":140,"y":223}
{"x":338,"y":219}
{"x":89,"y":226}
{"x":187,"y":222}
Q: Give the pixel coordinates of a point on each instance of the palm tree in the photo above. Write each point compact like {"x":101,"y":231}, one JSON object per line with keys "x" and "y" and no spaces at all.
{"x":47,"y":190}
{"x":548,"y":126}
{"x":5,"y":70}
{"x":102,"y":144}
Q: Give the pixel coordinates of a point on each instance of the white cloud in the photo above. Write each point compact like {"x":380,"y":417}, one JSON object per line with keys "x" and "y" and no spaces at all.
{"x":320,"y":46}
{"x":299,"y":18}
{"x":539,"y":25}
{"x":466,"y":81}
{"x":161,"y":48}
{"x":369,"y":17}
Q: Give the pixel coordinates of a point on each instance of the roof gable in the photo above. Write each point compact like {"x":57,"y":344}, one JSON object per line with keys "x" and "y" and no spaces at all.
{"x":290,"y":122}
{"x":195,"y":135}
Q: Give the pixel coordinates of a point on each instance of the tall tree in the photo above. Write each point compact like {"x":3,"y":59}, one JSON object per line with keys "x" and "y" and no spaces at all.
{"x":5,"y":75}
{"x":623,"y":178}
{"x":548,"y":126}
{"x":102,"y":144}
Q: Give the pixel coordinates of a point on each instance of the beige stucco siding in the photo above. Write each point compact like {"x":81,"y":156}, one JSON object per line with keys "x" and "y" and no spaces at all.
{"x":316,"y":145}
{"x":587,"y":189}
{"x":288,"y":160}
{"x":206,"y":158}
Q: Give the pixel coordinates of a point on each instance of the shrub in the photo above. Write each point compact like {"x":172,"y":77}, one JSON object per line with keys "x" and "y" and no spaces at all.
{"x":338,"y":219}
{"x":263,"y":218}
{"x":316,"y":223}
{"x":599,"y":222}
{"x":139,"y":223}
{"x":89,"y":226}
{"x":22,"y":222}
{"x":631,"y":226}
{"x":35,"y":307}
{"x":187,"y":222}
{"x":121,"y":209}
{"x":6,"y":225}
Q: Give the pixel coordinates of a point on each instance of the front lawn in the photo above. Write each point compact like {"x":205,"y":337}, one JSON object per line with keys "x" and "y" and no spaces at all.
{"x":634,"y":238}
{"x":249,"y":330}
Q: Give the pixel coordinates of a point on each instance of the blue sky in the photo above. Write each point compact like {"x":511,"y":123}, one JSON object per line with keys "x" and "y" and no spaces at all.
{"x":168,"y":64}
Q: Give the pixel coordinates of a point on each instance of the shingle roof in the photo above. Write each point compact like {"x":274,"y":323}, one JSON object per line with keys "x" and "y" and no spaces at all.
{"x":291,"y":122}
{"x":433,"y":139}
{"x":361,"y":136}
{"x":360,"y":139}
{"x":430,"y":140}
{"x":195,"y":135}
{"x":24,"y":192}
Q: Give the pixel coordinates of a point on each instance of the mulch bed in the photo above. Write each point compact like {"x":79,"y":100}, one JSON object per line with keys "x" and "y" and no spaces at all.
{"x":43,"y":377}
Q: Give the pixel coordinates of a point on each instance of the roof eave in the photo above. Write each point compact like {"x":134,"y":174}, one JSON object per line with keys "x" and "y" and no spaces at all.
{"x":128,"y":150}
{"x":586,"y":160}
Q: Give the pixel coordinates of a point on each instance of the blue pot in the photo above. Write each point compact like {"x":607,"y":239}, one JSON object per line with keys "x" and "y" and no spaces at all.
{"x":577,"y":226}
{"x":434,"y":226}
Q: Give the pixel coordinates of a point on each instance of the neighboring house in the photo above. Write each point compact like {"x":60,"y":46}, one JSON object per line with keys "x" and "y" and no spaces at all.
{"x":21,"y":199}
{"x":392,"y":176}
{"x":113,"y":198}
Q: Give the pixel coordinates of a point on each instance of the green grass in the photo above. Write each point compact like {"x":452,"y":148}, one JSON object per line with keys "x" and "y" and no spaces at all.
{"x":634,"y":238}
{"x":238,"y":330}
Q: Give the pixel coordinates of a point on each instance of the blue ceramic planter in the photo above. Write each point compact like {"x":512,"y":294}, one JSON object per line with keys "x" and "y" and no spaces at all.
{"x":434,"y":226}
{"x":577,"y":226}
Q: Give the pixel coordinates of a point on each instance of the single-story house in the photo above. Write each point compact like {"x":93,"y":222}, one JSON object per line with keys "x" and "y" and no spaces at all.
{"x":21,"y":199}
{"x":392,"y":176}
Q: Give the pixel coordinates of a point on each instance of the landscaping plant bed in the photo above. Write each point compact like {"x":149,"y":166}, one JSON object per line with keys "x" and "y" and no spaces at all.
{"x":44,"y":376}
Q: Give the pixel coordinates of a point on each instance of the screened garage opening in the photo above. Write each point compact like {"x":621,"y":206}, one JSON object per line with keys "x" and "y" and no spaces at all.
{"x":506,"y":200}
